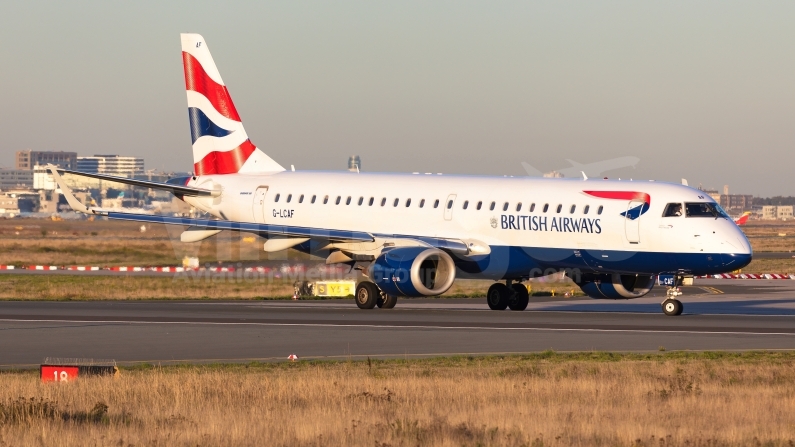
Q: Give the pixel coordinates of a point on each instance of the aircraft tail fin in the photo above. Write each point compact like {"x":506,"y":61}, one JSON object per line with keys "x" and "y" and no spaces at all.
{"x":220,"y":143}
{"x":743,"y":219}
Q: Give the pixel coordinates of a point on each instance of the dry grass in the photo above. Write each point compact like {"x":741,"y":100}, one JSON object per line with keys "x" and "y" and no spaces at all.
{"x":537,"y":400}
{"x":101,"y":243}
{"x":764,"y":235}
{"x":188,"y":287}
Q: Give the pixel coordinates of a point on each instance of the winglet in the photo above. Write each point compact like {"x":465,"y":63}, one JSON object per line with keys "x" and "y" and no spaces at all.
{"x":70,"y":198}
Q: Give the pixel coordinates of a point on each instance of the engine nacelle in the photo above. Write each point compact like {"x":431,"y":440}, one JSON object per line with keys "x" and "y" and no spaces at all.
{"x":413,"y":271}
{"x":615,"y":286}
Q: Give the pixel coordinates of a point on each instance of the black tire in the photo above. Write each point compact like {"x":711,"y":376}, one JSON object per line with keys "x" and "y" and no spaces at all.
{"x":367,"y":295}
{"x":672,"y":307}
{"x":387,"y":302}
{"x":497,"y":296}
{"x":520,"y":298}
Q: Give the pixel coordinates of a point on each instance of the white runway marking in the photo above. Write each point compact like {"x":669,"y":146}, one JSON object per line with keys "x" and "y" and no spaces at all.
{"x":389,"y":326}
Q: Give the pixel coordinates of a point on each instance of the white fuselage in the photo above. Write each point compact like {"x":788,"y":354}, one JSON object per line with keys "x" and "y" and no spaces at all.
{"x":420,"y":205}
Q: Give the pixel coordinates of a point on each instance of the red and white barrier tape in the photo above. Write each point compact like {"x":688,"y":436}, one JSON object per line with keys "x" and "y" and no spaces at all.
{"x":749,"y":276}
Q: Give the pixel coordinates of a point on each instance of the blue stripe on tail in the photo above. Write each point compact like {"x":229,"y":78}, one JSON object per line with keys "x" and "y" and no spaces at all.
{"x":201,"y":126}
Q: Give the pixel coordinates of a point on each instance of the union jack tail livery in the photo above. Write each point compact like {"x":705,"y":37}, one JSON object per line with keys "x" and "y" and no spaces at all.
{"x":220,"y":144}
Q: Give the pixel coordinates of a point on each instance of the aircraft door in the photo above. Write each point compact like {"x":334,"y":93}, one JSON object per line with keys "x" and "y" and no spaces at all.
{"x":632,"y":221}
{"x":448,"y":207}
{"x":259,"y":204}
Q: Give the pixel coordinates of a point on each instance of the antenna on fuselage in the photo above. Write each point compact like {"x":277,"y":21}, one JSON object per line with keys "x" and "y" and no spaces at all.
{"x":684,"y":182}
{"x":584,"y":177}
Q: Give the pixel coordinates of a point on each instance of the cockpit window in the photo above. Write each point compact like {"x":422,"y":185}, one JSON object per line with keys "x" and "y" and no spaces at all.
{"x":702,"y":209}
{"x":673,"y":210}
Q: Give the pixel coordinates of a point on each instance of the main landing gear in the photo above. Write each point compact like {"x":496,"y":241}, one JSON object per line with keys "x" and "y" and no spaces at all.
{"x":368,"y":295}
{"x":502,"y":296}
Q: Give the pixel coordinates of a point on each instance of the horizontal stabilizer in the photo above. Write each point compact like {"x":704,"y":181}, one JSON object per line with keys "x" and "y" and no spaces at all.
{"x":173,"y":188}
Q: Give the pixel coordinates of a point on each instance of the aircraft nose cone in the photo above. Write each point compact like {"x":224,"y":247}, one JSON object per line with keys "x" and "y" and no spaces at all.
{"x":737,"y":260}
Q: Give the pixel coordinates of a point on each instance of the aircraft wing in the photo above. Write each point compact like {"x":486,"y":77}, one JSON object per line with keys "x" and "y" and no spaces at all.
{"x":208,"y":227}
{"x":266,"y":230}
{"x":176,"y":189}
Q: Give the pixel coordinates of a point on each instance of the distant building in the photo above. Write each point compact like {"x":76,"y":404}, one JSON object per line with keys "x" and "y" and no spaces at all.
{"x":117,"y":165}
{"x":771,"y":212}
{"x":553,"y":174}
{"x":354,"y":163}
{"x":736,"y":202}
{"x":28,"y":159}
{"x":15,"y":179}
{"x":42,"y":179}
{"x":9,"y":205}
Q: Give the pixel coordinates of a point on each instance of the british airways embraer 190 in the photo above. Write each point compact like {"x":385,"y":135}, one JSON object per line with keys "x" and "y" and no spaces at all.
{"x":413,"y":235}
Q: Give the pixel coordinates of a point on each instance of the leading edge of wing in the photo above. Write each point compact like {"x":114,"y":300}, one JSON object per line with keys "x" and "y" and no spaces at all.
{"x":261,"y":229}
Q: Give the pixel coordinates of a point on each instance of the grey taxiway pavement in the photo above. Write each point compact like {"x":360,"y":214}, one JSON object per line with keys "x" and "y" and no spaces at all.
{"x":719,"y":315}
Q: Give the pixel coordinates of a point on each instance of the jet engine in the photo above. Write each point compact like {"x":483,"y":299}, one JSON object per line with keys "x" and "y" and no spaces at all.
{"x":413,"y":271}
{"x":615,"y":286}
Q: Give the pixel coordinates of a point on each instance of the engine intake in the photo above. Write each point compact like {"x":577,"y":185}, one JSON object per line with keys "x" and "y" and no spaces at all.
{"x":616,"y":286}
{"x":413,"y":271}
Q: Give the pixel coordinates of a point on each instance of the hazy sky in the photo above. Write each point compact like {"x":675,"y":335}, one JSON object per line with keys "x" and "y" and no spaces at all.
{"x":701,"y":90}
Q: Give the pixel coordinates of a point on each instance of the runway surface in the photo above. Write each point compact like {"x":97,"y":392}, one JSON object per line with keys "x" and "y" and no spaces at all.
{"x":719,"y":315}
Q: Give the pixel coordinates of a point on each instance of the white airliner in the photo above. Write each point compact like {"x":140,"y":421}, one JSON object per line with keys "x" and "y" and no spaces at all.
{"x":413,"y":235}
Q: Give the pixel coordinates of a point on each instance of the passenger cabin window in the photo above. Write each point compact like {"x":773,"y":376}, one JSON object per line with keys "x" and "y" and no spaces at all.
{"x":532,"y":207}
{"x":301,"y":199}
{"x":585,"y":210}
{"x":505,"y":206}
{"x":546,"y":207}
{"x":491,"y":207}
{"x":408,"y":203}
{"x":339,"y":199}
{"x":519,"y":207}
{"x":673,"y":210}
{"x":370,"y":203}
{"x":277,"y":197}
{"x":348,"y":200}
{"x":325,"y":200}
{"x":702,"y":209}
{"x":313,"y":198}
{"x":396,"y":202}
{"x":600,"y":209}
{"x":465,"y":205}
{"x":480,"y":204}
{"x":573,"y":207}
{"x":560,"y":207}
{"x":383,"y":201}
{"x":361,"y":200}
{"x":289,"y":197}
{"x":436,"y":203}
{"x":449,"y":204}
{"x":422,"y":203}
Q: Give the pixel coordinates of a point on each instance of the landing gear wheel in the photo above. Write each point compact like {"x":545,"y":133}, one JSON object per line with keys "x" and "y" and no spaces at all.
{"x":387,"y":301}
{"x":672,"y":307}
{"x":367,"y":295}
{"x":497,"y":296}
{"x":520,"y":297}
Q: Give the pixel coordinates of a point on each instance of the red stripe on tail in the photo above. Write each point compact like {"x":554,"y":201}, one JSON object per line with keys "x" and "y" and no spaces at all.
{"x":228,"y":162}
{"x":196,"y":79}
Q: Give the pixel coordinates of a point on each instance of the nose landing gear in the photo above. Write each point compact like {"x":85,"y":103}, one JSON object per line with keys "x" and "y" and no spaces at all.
{"x":672,"y":306}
